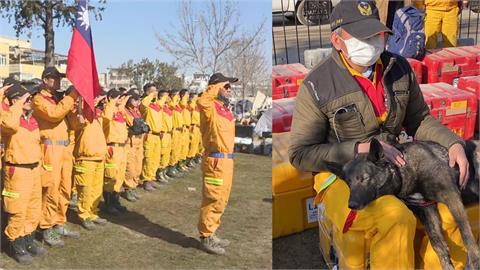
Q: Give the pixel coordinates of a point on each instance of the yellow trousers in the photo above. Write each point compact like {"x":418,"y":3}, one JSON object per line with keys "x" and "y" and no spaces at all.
{"x":152,"y":147}
{"x":88,"y":180}
{"x":441,"y":22}
{"x":185,"y":142}
{"x":22,"y":200}
{"x":115,"y":168}
{"x":176,"y":147}
{"x":57,"y":185}
{"x":195,"y":138}
{"x":166,"y":150}
{"x":134,"y":161}
{"x":217,"y":183}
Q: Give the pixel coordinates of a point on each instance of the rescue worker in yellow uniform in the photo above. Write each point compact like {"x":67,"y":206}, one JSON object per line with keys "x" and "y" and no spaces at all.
{"x":193,"y":156}
{"x":166,"y":137}
{"x":217,"y":125}
{"x":177,"y":134}
{"x":51,"y":116}
{"x":441,"y":17}
{"x":89,"y":152}
{"x":22,"y":191}
{"x":186,"y":133}
{"x":152,"y":114}
{"x":136,"y":129}
{"x":116,"y":135}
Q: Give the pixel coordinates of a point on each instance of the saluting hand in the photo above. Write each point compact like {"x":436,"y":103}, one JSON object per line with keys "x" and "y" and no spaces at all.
{"x":5,"y":88}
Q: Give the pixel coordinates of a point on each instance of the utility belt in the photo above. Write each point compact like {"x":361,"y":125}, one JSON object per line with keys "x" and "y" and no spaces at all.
{"x":179,"y":129}
{"x":156,"y":133}
{"x":30,"y":166}
{"x":58,"y":142}
{"x":117,"y":144}
{"x":220,"y":155}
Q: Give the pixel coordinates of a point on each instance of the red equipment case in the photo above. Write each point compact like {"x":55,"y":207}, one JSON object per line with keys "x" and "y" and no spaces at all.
{"x":286,"y":80}
{"x":417,"y":68}
{"x":448,"y":64}
{"x":282,"y":114}
{"x":453,"y":107}
{"x":472,"y":84}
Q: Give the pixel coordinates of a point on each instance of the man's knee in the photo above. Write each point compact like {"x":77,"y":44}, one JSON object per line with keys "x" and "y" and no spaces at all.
{"x":395,"y":211}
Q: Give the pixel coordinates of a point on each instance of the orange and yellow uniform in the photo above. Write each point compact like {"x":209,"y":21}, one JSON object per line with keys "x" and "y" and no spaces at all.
{"x":166,"y":132}
{"x":177,"y":134}
{"x":152,"y":114}
{"x":51,"y":117}
{"x":134,"y":151}
{"x":217,"y":125}
{"x":186,"y":130}
{"x":90,"y":151}
{"x":116,"y":135}
{"x":22,"y":190}
{"x":195,"y":136}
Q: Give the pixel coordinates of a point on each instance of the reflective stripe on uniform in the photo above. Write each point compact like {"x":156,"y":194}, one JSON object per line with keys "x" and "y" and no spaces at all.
{"x":328,"y":181}
{"x":110,"y":165}
{"x":214,"y":181}
{"x":47,"y":168}
{"x":80,"y":169}
{"x":10,"y":194}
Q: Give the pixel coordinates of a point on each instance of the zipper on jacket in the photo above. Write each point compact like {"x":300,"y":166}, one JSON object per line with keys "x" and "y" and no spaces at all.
{"x":386,"y":91}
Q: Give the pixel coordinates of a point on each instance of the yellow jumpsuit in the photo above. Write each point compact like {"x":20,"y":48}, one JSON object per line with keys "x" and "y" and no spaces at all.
{"x":51,"y":117}
{"x":441,"y":17}
{"x":217,"y":126}
{"x":134,"y":152}
{"x":194,"y":130}
{"x":22,"y":190}
{"x":152,"y":114}
{"x":177,"y":134}
{"x":116,"y":135}
{"x":166,"y":131}
{"x":89,"y":168}
{"x":187,"y":122}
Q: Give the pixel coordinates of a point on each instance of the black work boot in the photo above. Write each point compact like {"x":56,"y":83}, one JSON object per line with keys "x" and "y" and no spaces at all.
{"x":33,"y":247}
{"x":116,"y":202}
{"x":171,"y":172}
{"x":136,"y":193}
{"x":179,"y":171}
{"x":190,"y":163}
{"x":181,"y":167}
{"x":198,"y":159}
{"x":109,"y":207}
{"x":165,"y":175}
{"x":160,"y":178}
{"x":128,"y":195}
{"x":19,"y":251}
{"x":211,"y":246}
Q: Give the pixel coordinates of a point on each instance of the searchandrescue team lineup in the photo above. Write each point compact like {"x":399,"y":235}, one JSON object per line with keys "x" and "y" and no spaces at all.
{"x":133,"y":140}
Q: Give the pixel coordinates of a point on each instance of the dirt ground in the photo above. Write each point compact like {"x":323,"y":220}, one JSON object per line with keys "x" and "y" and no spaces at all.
{"x":298,"y":251}
{"x":159,"y":231}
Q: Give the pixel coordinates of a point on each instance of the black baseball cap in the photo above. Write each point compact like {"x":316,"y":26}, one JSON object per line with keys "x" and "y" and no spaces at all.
{"x":114,"y":93}
{"x":52,"y":72}
{"x":16,"y":91}
{"x":10,"y":80}
{"x":219,"y":78}
{"x":359,"y":18}
{"x":134,"y":93}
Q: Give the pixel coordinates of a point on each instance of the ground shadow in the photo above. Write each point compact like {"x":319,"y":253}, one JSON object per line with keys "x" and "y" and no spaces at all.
{"x":139,"y":223}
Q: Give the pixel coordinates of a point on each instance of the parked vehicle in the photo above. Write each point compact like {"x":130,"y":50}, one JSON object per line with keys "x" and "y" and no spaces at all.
{"x":307,"y":12}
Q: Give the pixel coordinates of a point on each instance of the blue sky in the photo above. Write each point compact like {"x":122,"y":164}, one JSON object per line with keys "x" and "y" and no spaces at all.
{"x":128,"y":28}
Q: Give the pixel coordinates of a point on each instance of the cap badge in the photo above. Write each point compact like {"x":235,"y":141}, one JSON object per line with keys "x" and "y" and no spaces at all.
{"x":364,"y":8}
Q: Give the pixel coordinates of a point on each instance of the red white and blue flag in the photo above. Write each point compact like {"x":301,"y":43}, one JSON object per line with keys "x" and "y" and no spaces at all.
{"x":81,"y":66}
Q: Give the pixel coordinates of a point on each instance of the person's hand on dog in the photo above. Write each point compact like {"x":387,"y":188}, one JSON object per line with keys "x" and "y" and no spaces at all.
{"x":456,"y":155}
{"x":391,"y":153}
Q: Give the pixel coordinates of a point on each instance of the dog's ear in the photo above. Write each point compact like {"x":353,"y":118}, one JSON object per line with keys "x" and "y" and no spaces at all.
{"x":376,"y":151}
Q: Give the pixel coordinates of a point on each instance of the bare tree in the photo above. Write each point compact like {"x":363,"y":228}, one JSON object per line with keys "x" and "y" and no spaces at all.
{"x":203,"y":38}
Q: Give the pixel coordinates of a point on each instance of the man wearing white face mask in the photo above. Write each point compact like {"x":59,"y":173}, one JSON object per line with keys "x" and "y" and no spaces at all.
{"x":362,"y":92}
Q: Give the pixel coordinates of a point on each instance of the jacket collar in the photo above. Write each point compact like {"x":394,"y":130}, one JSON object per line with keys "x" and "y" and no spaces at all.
{"x":387,"y":59}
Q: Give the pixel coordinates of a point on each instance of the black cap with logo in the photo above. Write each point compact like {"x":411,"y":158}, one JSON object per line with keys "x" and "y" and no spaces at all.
{"x":114,"y":93}
{"x":134,"y":93}
{"x":359,"y":18}
{"x":218,"y":78}
{"x":52,"y":72}
{"x":15,"y":91}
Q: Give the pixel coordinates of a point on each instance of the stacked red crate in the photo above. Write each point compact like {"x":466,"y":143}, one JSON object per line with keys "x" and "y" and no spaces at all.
{"x":447,"y":65}
{"x":282,"y":114}
{"x":472,"y":84}
{"x":417,"y":68}
{"x":286,"y":80}
{"x":453,"y":107}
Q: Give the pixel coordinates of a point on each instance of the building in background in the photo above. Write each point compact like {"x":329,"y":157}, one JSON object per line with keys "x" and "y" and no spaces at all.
{"x":114,"y":79}
{"x":19,"y":59}
{"x":197,"y":82}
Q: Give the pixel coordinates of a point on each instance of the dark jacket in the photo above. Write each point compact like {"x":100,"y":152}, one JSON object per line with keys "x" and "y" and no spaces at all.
{"x":332,"y":113}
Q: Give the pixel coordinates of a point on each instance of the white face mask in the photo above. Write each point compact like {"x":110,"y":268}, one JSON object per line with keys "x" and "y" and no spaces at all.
{"x":365,"y":52}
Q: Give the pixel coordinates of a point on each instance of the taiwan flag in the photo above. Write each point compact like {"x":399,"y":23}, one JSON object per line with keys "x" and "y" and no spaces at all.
{"x":81,"y":66}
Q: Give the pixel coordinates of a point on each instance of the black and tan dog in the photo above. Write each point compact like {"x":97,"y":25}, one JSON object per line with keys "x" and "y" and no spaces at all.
{"x":426,"y":175}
